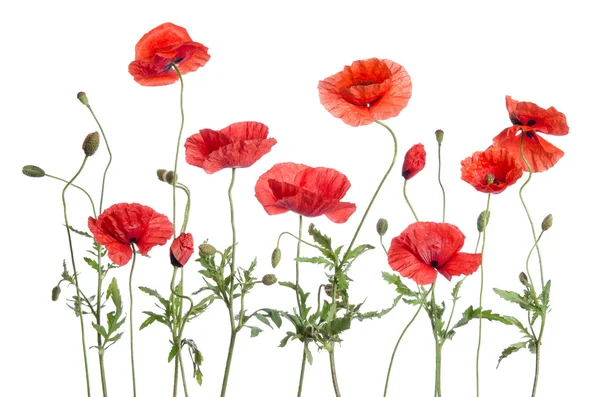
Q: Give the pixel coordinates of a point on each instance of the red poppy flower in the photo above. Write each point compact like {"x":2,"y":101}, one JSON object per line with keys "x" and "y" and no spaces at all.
{"x":491,"y":171}
{"x":424,"y":249}
{"x":414,"y":161}
{"x":528,"y":118}
{"x":159,"y":48}
{"x":123,"y":224}
{"x":237,"y":146}
{"x":368,"y":90}
{"x":304,"y":190}
{"x":182,"y":249}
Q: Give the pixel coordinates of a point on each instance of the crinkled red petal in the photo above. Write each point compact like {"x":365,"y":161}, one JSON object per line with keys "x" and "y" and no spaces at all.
{"x":119,"y":253}
{"x":497,"y":161}
{"x":540,"y":154}
{"x":182,"y":249}
{"x":282,"y":172}
{"x":404,"y":261}
{"x":414,"y":161}
{"x":461,"y":264}
{"x":548,"y":121}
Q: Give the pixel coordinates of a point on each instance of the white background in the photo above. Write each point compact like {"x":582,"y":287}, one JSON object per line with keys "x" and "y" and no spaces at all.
{"x":267,"y":58}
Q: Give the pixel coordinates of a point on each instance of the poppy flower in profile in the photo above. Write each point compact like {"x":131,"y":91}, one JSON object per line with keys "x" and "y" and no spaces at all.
{"x":237,"y":146}
{"x":414,"y":161}
{"x":366,"y":91}
{"x":304,"y":190}
{"x":529,"y":119}
{"x":161,"y":47}
{"x":491,"y":171}
{"x":182,"y":249}
{"x":121,"y":225}
{"x":424,"y":249}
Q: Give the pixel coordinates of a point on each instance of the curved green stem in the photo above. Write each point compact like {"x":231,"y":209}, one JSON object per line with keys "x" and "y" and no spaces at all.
{"x":80,"y":188}
{"x":186,"y":215}
{"x":231,"y":288}
{"x":178,"y":143}
{"x":76,"y":278}
{"x":481,"y":301}
{"x":389,"y":372}
{"x":440,"y":182}
{"x":131,"y":320}
{"x":177,"y":333}
{"x":109,"y":156}
{"x":334,"y":380}
{"x":408,"y":202}
{"x":376,"y":191}
{"x":297,"y":238}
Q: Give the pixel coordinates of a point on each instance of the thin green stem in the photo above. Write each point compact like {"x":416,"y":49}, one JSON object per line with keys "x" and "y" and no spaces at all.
{"x":336,"y":387}
{"x":481,"y":300}
{"x":76,"y":278}
{"x":231,"y":287}
{"x":301,"y":381}
{"x":77,"y":187}
{"x":185,"y":389}
{"x":376,"y":191}
{"x":178,"y":143}
{"x":408,"y":201}
{"x":175,"y":373}
{"x":131,"y":320}
{"x":438,"y":345}
{"x":297,"y":238}
{"x":300,"y":311}
{"x":389,"y":372}
{"x":440,"y":182}
{"x":186,"y":215}
{"x":109,"y":156}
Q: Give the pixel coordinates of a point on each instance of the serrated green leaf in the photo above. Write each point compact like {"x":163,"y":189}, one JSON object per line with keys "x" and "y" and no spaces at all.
{"x":154,"y":293}
{"x":172,"y":353}
{"x":81,"y":233}
{"x":254,"y":331}
{"x":510,"y":350}
{"x":92,"y":263}
{"x":319,"y":238}
{"x":339,"y":325}
{"x":315,"y":259}
{"x":147,"y":322}
{"x":309,"y":356}
{"x":545,"y":297}
{"x":356,"y":252}
{"x":115,"y":295}
{"x":456,"y":289}
{"x":512,"y":297}
{"x":401,"y":288}
{"x":100,"y":329}
{"x":377,"y":314}
{"x":514,"y":321}
{"x":275,"y":317}
{"x":263,"y":319}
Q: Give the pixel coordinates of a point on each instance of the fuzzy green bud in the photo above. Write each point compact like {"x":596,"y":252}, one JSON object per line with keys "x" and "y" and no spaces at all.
{"x":382,"y":226}
{"x":269,"y":279}
{"x":170,"y":178}
{"x":482,"y":220}
{"x":207,"y":249}
{"x":547,"y":222}
{"x":83,"y":98}
{"x":55,"y":293}
{"x":160,"y":173}
{"x":275,"y":257}
{"x":439,"y":136}
{"x":33,"y":171}
{"x":523,"y":279}
{"x":91,"y":143}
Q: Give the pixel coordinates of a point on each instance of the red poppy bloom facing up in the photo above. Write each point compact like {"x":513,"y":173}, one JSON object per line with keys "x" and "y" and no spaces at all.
{"x":159,"y":48}
{"x":237,"y":146}
{"x":124,"y":224}
{"x":529,"y":119}
{"x":304,"y":190}
{"x":182,"y":249}
{"x":491,"y":171}
{"x":414,"y":161}
{"x":368,"y":90}
{"x":424,"y":249}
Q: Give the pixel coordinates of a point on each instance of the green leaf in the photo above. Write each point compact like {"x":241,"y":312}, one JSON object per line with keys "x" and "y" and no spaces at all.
{"x":93,"y":264}
{"x":263,"y":319}
{"x":285,"y":340}
{"x":339,"y":325}
{"x":154,"y":293}
{"x":401,"y":288}
{"x":254,"y":331}
{"x":288,"y":284}
{"x":115,"y":295}
{"x":315,"y":259}
{"x":275,"y":317}
{"x":512,"y":297}
{"x":377,"y":314}
{"x":514,"y":321}
{"x":545,"y":297}
{"x":172,"y":353}
{"x":456,"y":289}
{"x":100,"y":329}
{"x":356,"y":252}
{"x":321,"y":239}
{"x":81,"y":233}
{"x":309,"y":356}
{"x":510,"y":350}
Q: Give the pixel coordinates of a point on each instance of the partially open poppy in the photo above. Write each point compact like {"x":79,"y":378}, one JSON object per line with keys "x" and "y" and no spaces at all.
{"x":366,"y":91}
{"x":237,"y":146}
{"x":182,"y":249}
{"x":161,"y":47}
{"x":424,"y":249}
{"x":304,"y":190}
{"x":529,"y":119}
{"x":414,"y":161}
{"x":491,"y":171}
{"x":121,"y":225}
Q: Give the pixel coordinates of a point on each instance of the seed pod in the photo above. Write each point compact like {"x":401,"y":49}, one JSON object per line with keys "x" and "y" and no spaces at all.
{"x":439,"y":136}
{"x":160,"y":173}
{"x":83,"y":98}
{"x":91,"y":143}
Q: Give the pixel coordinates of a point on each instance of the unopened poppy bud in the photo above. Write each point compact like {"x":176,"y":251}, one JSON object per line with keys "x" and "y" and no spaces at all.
{"x":269,"y":279}
{"x":482,"y":220}
{"x":160,"y":173}
{"x":33,"y":171}
{"x":170,"y":178}
{"x":207,"y":249}
{"x":382,"y":227}
{"x":547,"y":222}
{"x":83,"y":98}
{"x":489,"y":179}
{"x":414,"y":161}
{"x":91,"y":143}
{"x":329,"y":291}
{"x":55,"y":293}
{"x":523,"y":279}
{"x":439,"y":136}
{"x":275,"y":257}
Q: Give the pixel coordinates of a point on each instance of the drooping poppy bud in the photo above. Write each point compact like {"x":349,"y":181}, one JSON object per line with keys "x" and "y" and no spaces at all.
{"x":182,"y":249}
{"x":55,"y":293}
{"x":207,"y":249}
{"x":523,"y":279}
{"x":91,"y":143}
{"x":83,"y":98}
{"x":329,"y":291}
{"x":33,"y":171}
{"x":275,"y":257}
{"x":482,"y":220}
{"x":414,"y":161}
{"x":382,"y":226}
{"x":439,"y":136}
{"x":547,"y":222}
{"x":170,"y":178}
{"x":160,"y":173}
{"x":269,"y":279}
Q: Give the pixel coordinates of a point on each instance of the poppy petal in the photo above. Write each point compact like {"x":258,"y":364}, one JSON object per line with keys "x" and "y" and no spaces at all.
{"x":548,"y":121}
{"x":340,"y":212}
{"x":408,"y":265}
{"x":495,"y":161}
{"x":461,"y":264}
{"x":540,"y":154}
{"x":158,"y":232}
{"x":182,"y":249}
{"x":119,"y":253}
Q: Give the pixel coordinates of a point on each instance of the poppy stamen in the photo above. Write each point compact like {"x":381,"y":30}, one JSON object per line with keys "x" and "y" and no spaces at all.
{"x":530,"y":123}
{"x":530,"y":134}
{"x":178,"y":60}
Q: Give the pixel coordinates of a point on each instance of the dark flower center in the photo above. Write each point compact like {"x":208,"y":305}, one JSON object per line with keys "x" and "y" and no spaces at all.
{"x":170,"y":65}
{"x":530,"y":134}
{"x":530,"y":123}
{"x":434,"y":264}
{"x":365,"y":83}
